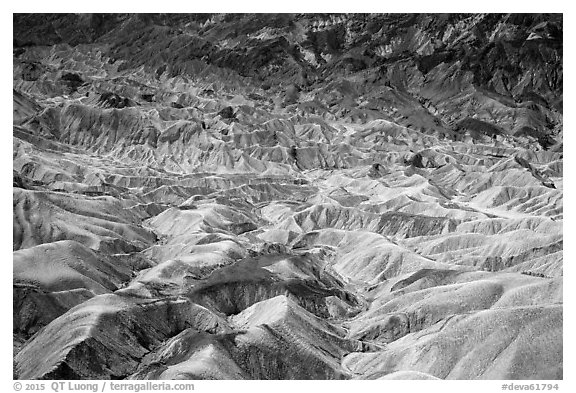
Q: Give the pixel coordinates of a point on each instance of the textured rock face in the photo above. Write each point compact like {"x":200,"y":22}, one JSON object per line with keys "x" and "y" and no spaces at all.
{"x":293,"y":196}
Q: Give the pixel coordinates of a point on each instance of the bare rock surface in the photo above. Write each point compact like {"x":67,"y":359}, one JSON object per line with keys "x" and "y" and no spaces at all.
{"x":292,"y":196}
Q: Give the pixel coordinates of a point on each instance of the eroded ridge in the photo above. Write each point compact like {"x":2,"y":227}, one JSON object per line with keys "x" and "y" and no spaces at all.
{"x":287,"y":196}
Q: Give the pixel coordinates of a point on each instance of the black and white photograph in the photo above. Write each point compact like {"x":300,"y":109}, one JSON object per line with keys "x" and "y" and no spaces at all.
{"x":287,"y":196}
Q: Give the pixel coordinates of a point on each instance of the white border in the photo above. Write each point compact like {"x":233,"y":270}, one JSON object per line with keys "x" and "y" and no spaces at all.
{"x":567,"y":385}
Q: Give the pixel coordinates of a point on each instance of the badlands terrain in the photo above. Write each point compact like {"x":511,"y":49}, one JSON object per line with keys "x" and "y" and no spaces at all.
{"x":313,"y":196}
